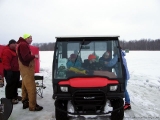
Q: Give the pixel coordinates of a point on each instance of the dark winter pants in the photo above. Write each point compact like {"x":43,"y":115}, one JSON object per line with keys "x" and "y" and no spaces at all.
{"x":12,"y":81}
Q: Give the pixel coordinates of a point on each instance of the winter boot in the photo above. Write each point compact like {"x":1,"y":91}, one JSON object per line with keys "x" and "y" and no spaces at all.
{"x":25,"y":104}
{"x":127,"y":106}
{"x":14,"y":101}
{"x":37,"y":108}
{"x":19,"y":98}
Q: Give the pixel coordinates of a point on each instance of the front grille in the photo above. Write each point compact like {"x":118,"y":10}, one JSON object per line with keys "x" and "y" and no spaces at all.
{"x":89,"y":98}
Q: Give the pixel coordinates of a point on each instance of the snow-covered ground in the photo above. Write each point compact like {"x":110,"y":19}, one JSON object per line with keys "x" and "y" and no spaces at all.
{"x":143,"y":87}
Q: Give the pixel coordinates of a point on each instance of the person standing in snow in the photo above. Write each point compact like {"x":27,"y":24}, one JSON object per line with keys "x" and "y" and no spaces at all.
{"x":126,"y":75}
{"x":26,"y":66}
{"x":11,"y":71}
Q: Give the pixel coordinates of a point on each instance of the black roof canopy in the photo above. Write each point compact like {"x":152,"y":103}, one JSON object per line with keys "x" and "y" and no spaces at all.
{"x":80,"y":38}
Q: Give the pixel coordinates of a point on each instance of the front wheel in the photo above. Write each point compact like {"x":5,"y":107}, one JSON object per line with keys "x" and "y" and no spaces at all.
{"x":119,"y":114}
{"x":61,"y":115}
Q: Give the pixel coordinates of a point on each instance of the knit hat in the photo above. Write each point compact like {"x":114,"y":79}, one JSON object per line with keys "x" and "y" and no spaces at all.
{"x":12,"y":41}
{"x":106,"y":54}
{"x":91,"y":56}
{"x":25,"y":36}
{"x":72,"y":56}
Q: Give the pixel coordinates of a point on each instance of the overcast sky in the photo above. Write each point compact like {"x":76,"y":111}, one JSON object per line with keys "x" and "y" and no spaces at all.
{"x":47,"y":19}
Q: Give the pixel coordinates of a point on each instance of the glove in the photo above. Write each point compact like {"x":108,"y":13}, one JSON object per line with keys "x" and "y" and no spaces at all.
{"x":36,"y":56}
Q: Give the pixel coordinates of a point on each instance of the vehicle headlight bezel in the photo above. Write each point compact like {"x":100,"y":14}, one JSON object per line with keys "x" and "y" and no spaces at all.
{"x":64,"y":89}
{"x":113,"y":88}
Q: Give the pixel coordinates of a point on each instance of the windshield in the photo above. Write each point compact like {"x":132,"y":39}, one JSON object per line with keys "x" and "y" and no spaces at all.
{"x":87,"y":58}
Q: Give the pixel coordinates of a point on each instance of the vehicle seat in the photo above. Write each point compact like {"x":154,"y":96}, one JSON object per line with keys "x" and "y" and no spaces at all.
{"x":85,"y":63}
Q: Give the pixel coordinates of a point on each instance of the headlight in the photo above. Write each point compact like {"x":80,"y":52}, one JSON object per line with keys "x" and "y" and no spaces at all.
{"x":64,"y":89}
{"x":113,"y":87}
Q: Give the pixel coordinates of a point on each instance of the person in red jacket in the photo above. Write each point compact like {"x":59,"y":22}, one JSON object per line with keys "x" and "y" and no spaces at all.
{"x":11,"y":71}
{"x":26,"y":66}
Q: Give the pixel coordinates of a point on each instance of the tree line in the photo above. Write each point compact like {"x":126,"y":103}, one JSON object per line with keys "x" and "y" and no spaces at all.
{"x":45,"y":46}
{"x":143,"y":44}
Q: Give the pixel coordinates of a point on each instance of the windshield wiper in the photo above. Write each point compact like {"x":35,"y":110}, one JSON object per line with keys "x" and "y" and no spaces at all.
{"x":79,"y":51}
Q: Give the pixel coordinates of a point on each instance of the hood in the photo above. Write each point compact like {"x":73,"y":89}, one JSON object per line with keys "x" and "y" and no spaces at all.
{"x":21,"y":40}
{"x":6,"y":47}
{"x":123,"y":53}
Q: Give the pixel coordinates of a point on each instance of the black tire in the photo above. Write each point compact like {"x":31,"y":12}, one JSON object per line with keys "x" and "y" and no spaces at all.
{"x":8,"y":107}
{"x":61,"y":115}
{"x":119,"y":114}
